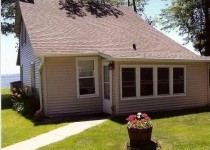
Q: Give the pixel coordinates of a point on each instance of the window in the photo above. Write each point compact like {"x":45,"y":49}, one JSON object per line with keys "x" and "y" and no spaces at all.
{"x":146,"y":81}
{"x":163,"y":81}
{"x":152,"y":81}
{"x":178,"y":80}
{"x":128,"y":82}
{"x":87,"y":77}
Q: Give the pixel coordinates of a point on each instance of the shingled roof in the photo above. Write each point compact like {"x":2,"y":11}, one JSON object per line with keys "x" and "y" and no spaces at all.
{"x":71,"y":28}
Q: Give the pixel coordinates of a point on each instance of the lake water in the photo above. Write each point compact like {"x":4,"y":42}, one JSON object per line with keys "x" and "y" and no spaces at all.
{"x":6,"y":79}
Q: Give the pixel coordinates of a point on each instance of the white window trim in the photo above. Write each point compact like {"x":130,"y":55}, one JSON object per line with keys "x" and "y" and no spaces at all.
{"x":128,"y":66}
{"x":95,"y":59}
{"x":110,"y":80}
{"x":155,"y":81}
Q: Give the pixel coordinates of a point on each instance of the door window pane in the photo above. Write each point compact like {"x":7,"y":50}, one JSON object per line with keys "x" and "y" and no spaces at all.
{"x":128,"y":82}
{"x":106,"y":74}
{"x":163,"y":81}
{"x":146,"y":81}
{"x":178,"y":80}
{"x":106,"y":83}
{"x":106,"y":91}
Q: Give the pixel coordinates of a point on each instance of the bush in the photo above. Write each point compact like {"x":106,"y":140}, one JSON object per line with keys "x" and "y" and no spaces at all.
{"x":24,"y":101}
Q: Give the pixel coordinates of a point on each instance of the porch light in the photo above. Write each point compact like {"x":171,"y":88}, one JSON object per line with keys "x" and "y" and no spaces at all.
{"x":111,"y":66}
{"x":134,"y":46}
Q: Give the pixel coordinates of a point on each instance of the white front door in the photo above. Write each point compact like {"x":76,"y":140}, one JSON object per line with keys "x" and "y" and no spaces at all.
{"x":107,"y":88}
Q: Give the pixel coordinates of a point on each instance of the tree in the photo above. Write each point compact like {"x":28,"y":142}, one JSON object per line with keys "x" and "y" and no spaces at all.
{"x":192,"y":18}
{"x":138,"y":5}
{"x":8,"y":14}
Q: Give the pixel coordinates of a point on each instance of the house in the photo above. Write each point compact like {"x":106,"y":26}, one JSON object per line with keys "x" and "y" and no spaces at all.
{"x":92,"y":58}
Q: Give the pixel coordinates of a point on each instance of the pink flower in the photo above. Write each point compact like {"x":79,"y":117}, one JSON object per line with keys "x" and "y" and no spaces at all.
{"x":144,"y":115}
{"x":147,"y":118}
{"x":131,"y":118}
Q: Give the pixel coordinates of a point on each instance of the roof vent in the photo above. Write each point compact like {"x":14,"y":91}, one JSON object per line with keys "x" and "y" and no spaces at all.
{"x":134,"y":46}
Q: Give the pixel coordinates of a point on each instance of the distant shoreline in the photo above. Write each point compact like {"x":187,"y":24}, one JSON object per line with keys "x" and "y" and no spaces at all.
{"x":10,"y":74}
{"x":7,"y":78}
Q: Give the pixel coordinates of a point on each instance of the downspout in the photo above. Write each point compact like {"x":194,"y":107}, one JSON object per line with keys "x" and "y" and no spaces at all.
{"x":40,"y":84}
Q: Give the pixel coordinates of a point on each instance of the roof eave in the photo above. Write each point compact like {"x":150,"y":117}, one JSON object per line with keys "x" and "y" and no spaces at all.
{"x":17,"y":18}
{"x":109,"y":57}
{"x":65,"y":55}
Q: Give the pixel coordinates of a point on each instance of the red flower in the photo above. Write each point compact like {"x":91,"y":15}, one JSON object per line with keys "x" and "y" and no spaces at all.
{"x":131,"y":118}
{"x":134,"y":122}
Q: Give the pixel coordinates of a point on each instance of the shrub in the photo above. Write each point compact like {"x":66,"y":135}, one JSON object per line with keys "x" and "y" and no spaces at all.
{"x":24,"y":101}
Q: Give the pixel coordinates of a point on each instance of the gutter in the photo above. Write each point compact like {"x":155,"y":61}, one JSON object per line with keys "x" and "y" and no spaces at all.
{"x":40,"y":84}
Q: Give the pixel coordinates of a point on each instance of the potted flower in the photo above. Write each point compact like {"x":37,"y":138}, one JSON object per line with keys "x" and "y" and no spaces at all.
{"x":139,"y":129}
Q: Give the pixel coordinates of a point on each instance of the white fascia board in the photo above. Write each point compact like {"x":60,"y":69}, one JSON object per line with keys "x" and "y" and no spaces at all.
{"x":161,"y":60}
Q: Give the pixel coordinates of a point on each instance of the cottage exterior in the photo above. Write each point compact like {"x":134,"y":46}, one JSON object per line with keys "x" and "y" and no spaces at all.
{"x":93,"y":61}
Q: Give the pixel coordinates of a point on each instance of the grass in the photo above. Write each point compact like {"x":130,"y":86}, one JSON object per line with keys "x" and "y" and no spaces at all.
{"x":16,"y":128}
{"x":183,"y":130}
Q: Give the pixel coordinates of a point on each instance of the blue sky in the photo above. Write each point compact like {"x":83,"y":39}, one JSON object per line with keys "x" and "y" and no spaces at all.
{"x":9,"y":52}
{"x":8,"y":55}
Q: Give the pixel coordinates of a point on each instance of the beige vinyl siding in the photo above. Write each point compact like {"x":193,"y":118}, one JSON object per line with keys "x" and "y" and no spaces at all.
{"x":60,"y":96}
{"x":196,"y":91}
{"x":26,"y":57}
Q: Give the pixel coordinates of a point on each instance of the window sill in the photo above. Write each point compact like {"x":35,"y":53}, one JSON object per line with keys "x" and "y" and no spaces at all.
{"x":87,"y":96}
{"x":152,"y":97}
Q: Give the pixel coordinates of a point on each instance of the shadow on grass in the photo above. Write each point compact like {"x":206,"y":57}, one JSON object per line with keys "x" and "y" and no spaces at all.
{"x":152,"y":145}
{"x":6,"y":103}
{"x":120,"y":119}
{"x":71,"y":118}
{"x":164,"y":114}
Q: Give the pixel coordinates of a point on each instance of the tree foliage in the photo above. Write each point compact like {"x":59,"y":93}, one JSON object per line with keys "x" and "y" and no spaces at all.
{"x":192,"y":18}
{"x":8,"y":15}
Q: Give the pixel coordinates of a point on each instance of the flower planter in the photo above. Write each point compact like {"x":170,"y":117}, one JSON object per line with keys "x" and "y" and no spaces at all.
{"x":139,"y":136}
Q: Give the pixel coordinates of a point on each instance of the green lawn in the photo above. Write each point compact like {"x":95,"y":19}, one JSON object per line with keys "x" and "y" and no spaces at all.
{"x":16,"y":128}
{"x":185,"y":132}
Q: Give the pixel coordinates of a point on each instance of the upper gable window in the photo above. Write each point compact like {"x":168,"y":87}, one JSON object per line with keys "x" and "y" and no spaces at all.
{"x":87,"y":77}
{"x":23,"y":35}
